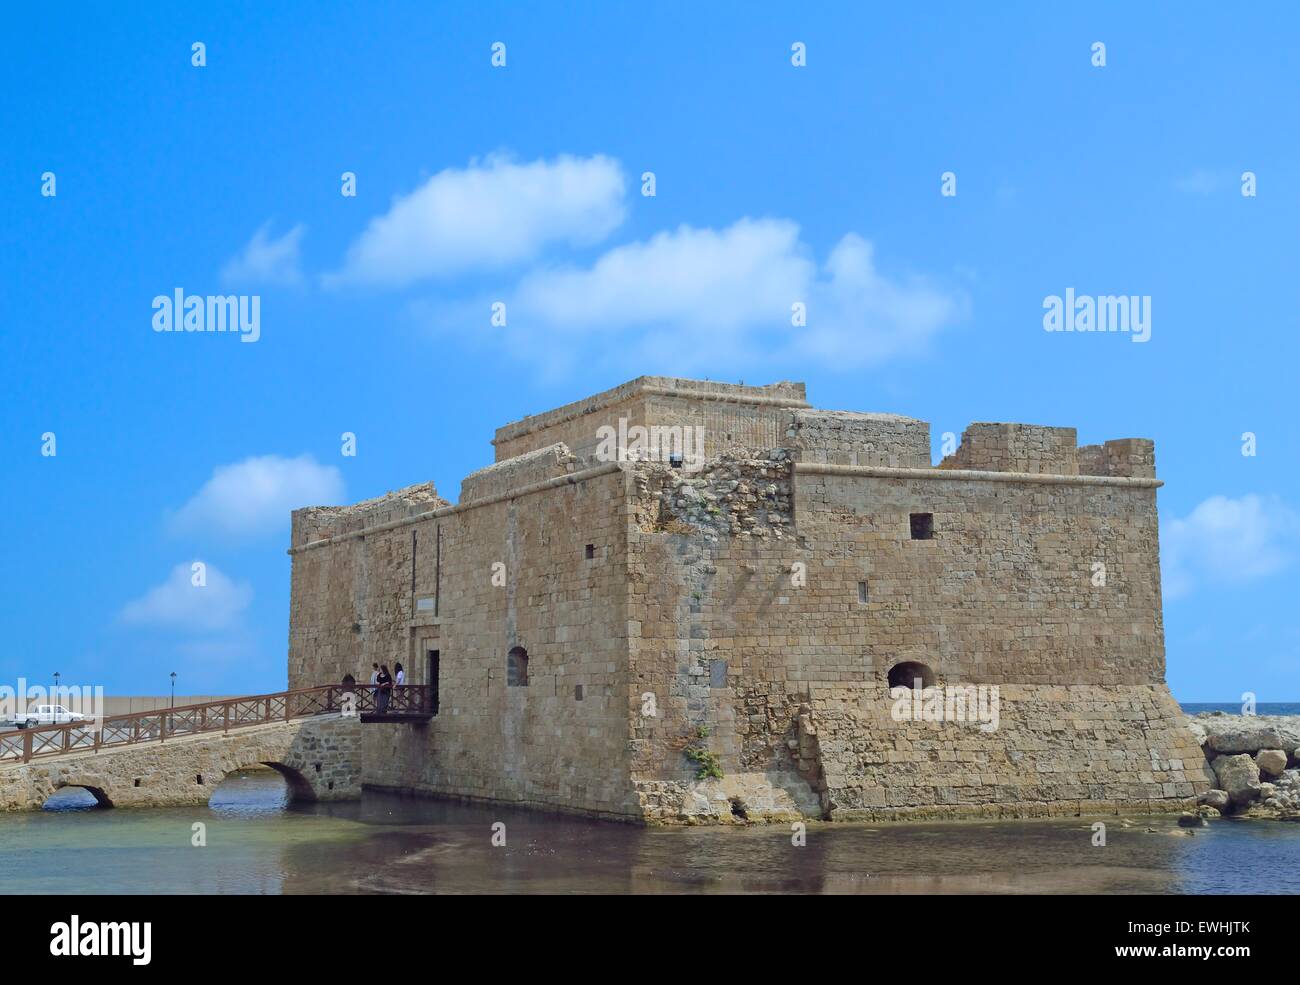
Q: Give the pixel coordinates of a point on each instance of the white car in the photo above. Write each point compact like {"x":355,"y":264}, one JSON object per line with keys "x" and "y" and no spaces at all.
{"x":46,"y":715}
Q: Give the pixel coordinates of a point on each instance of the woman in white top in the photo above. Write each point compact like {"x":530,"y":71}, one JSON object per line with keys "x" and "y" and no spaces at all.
{"x":401,"y":674}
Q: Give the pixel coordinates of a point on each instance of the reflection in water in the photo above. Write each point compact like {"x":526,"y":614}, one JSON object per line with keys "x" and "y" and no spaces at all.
{"x":71,"y":799}
{"x":258,"y":843}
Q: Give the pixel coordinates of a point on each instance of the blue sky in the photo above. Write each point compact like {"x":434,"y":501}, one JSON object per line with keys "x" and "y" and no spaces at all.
{"x":522,"y":184}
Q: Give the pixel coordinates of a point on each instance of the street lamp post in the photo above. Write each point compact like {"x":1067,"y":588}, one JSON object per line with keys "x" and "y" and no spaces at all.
{"x":54,"y":700}
{"x":171,"y":721}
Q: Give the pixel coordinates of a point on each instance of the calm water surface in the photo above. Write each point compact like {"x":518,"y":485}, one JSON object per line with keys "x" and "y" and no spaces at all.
{"x":256,"y":843}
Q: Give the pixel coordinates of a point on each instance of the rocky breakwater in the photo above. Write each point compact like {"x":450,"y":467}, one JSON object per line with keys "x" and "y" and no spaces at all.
{"x":1256,"y":762}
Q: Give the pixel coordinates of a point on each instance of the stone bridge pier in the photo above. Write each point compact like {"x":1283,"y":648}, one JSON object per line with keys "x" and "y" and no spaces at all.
{"x":320,"y":758}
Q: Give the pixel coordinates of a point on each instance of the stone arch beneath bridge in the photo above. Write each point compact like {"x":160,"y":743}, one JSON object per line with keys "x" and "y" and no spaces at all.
{"x":101,"y":798}
{"x":320,"y":758}
{"x":300,"y":787}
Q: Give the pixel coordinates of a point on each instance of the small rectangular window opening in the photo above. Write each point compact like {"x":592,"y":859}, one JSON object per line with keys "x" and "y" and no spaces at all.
{"x":591,"y":551}
{"x":922,"y":526}
{"x":862,"y":592}
{"x":577,"y":692}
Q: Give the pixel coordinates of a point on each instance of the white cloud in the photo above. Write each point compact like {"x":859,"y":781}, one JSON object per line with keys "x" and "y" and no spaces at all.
{"x":487,"y":215}
{"x":692,"y":299}
{"x":1227,"y":540}
{"x":696,"y":278}
{"x":266,"y":260}
{"x":255,"y":496}
{"x":178,"y":603}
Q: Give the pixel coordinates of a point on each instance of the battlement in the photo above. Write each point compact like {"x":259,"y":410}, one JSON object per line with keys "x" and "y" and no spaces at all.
{"x":837,"y":437}
{"x":1039,"y":450}
{"x":730,"y":420}
{"x":748,"y":421}
{"x":314,"y":523}
{"x":736,"y":418}
{"x":517,"y":473}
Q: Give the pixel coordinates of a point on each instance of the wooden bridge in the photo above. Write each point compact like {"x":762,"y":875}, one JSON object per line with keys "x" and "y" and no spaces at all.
{"x":173,"y":756}
{"x":408,"y":702}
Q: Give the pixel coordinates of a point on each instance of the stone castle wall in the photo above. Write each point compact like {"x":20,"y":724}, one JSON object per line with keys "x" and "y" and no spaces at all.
{"x":507,"y":568}
{"x":752,"y":611}
{"x":735,"y":418}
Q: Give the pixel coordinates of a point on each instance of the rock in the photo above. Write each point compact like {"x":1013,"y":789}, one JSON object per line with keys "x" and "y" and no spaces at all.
{"x":1238,"y":776}
{"x":1271,"y":762}
{"x":1189,"y":820}
{"x":1231,"y":734}
{"x":1218,"y":799}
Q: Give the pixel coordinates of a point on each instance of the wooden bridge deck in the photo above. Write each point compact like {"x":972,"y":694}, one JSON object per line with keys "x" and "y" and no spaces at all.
{"x":407,"y":703}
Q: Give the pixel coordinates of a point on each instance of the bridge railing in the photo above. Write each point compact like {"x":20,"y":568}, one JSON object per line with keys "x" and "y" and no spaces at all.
{"x":24,"y":745}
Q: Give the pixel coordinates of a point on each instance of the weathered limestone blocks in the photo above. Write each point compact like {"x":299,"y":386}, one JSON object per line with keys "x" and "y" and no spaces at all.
{"x":763,"y":601}
{"x":313,"y":523}
{"x":1225,"y":734}
{"x":735,"y":418}
{"x":835,"y":437}
{"x":1030,"y":448}
{"x":1249,"y":755}
{"x":518,"y":473}
{"x":1238,"y":777}
{"x":1271,"y":762}
{"x":1082,"y":749}
{"x":737,"y":798}
{"x":1133,"y":457}
{"x":319,"y":757}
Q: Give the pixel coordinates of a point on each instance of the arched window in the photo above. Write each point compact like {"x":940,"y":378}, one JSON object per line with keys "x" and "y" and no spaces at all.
{"x":517,"y":667}
{"x":907,"y":673}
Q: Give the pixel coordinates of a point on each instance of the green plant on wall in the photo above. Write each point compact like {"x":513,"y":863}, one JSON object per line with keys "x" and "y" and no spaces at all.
{"x":708,"y":762}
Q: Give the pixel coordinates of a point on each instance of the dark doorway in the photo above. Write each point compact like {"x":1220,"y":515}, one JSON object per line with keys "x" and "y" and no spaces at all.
{"x":432,"y":678}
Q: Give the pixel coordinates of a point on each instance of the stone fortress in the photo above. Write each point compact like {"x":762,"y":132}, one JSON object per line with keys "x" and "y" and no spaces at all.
{"x":656,"y":639}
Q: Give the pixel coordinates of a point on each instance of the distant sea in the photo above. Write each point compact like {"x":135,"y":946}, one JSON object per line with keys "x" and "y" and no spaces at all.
{"x":1234,"y":707}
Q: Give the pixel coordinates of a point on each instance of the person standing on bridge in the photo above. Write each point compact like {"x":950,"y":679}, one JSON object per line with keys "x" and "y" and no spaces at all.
{"x":374,"y":682}
{"x":385,"y":683}
{"x":399,"y":675}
